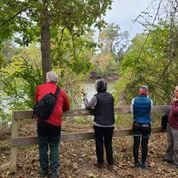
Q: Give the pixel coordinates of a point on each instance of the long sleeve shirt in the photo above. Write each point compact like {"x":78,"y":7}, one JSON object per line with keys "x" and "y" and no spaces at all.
{"x":90,"y":104}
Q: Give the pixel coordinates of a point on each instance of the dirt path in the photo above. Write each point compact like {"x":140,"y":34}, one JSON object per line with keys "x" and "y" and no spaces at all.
{"x":78,"y":158}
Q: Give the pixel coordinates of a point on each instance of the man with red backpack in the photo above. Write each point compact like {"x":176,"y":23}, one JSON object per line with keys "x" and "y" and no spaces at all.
{"x":49,"y":130}
{"x":172,"y":131}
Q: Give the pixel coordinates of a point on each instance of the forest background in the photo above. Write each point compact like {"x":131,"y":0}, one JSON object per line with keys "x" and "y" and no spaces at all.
{"x":37,"y":36}
{"x":72,"y":38}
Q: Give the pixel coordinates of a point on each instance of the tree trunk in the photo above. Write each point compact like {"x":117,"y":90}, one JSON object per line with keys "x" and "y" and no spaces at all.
{"x":45,"y":40}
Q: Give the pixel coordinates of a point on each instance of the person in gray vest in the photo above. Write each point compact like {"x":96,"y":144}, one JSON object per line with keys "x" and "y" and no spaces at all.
{"x":141,"y":108}
{"x":102,"y":105}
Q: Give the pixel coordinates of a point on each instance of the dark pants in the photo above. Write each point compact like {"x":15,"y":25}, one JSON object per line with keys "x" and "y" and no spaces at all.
{"x":48,"y":138}
{"x":141,"y":132}
{"x":103,"y":137}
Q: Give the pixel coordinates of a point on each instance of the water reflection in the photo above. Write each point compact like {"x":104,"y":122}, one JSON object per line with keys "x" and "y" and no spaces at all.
{"x":89,"y":88}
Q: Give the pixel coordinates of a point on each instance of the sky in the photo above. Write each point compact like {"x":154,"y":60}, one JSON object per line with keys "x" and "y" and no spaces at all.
{"x":125,"y":11}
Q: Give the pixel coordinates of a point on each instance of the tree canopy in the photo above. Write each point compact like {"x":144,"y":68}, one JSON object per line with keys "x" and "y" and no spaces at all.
{"x":33,"y":20}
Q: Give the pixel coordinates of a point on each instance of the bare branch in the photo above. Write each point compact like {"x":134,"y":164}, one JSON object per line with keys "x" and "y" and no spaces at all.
{"x":141,"y":50}
{"x":62,"y":31}
{"x":74,"y":48}
{"x":14,"y":16}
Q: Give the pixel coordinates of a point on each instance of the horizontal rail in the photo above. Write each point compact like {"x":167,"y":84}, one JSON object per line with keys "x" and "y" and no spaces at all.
{"x":21,"y":141}
{"x":18,"y":115}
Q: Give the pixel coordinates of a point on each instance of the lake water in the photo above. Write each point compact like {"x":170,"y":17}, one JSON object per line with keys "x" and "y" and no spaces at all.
{"x":89,"y":89}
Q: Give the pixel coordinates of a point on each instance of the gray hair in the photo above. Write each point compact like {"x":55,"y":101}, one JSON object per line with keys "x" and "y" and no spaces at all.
{"x":51,"y":77}
{"x":101,"y":85}
{"x":144,"y":87}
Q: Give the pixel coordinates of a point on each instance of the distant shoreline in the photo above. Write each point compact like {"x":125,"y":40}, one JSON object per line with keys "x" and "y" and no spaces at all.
{"x":95,"y":76}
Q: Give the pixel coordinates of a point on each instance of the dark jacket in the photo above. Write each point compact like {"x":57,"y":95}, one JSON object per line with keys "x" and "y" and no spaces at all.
{"x":104,"y":109}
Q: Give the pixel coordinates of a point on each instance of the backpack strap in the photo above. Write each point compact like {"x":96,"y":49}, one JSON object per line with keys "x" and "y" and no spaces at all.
{"x":57,"y":92}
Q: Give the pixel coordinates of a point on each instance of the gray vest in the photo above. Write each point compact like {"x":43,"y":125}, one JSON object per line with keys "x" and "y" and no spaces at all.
{"x":104,"y":109}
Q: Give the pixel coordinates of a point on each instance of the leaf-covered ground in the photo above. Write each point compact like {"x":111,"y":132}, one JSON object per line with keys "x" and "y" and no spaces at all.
{"x":78,"y":158}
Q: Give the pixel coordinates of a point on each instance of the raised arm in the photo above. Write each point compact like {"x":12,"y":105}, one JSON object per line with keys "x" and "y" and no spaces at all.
{"x":90,"y":104}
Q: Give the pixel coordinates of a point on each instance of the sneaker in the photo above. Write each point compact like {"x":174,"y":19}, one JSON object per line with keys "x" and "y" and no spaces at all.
{"x":144,"y":166}
{"x":137,"y":164}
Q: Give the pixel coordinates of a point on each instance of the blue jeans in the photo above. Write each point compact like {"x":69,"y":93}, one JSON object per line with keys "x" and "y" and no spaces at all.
{"x":48,"y":139}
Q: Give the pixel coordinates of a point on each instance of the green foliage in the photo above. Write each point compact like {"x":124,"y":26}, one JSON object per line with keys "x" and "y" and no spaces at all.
{"x":4,"y":114}
{"x":72,"y":51}
{"x":123,"y":121}
{"x":149,"y":62}
{"x":20,"y":78}
{"x":112,"y":40}
{"x":22,"y":20}
{"x":72,"y":84}
{"x":105,"y":65}
{"x":23,"y":73}
{"x":25,"y":17}
{"x":111,"y":48}
{"x":7,"y":50}
{"x":84,"y":120}
{"x":5,"y":147}
{"x":31,"y":19}
{"x":2,"y":60}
